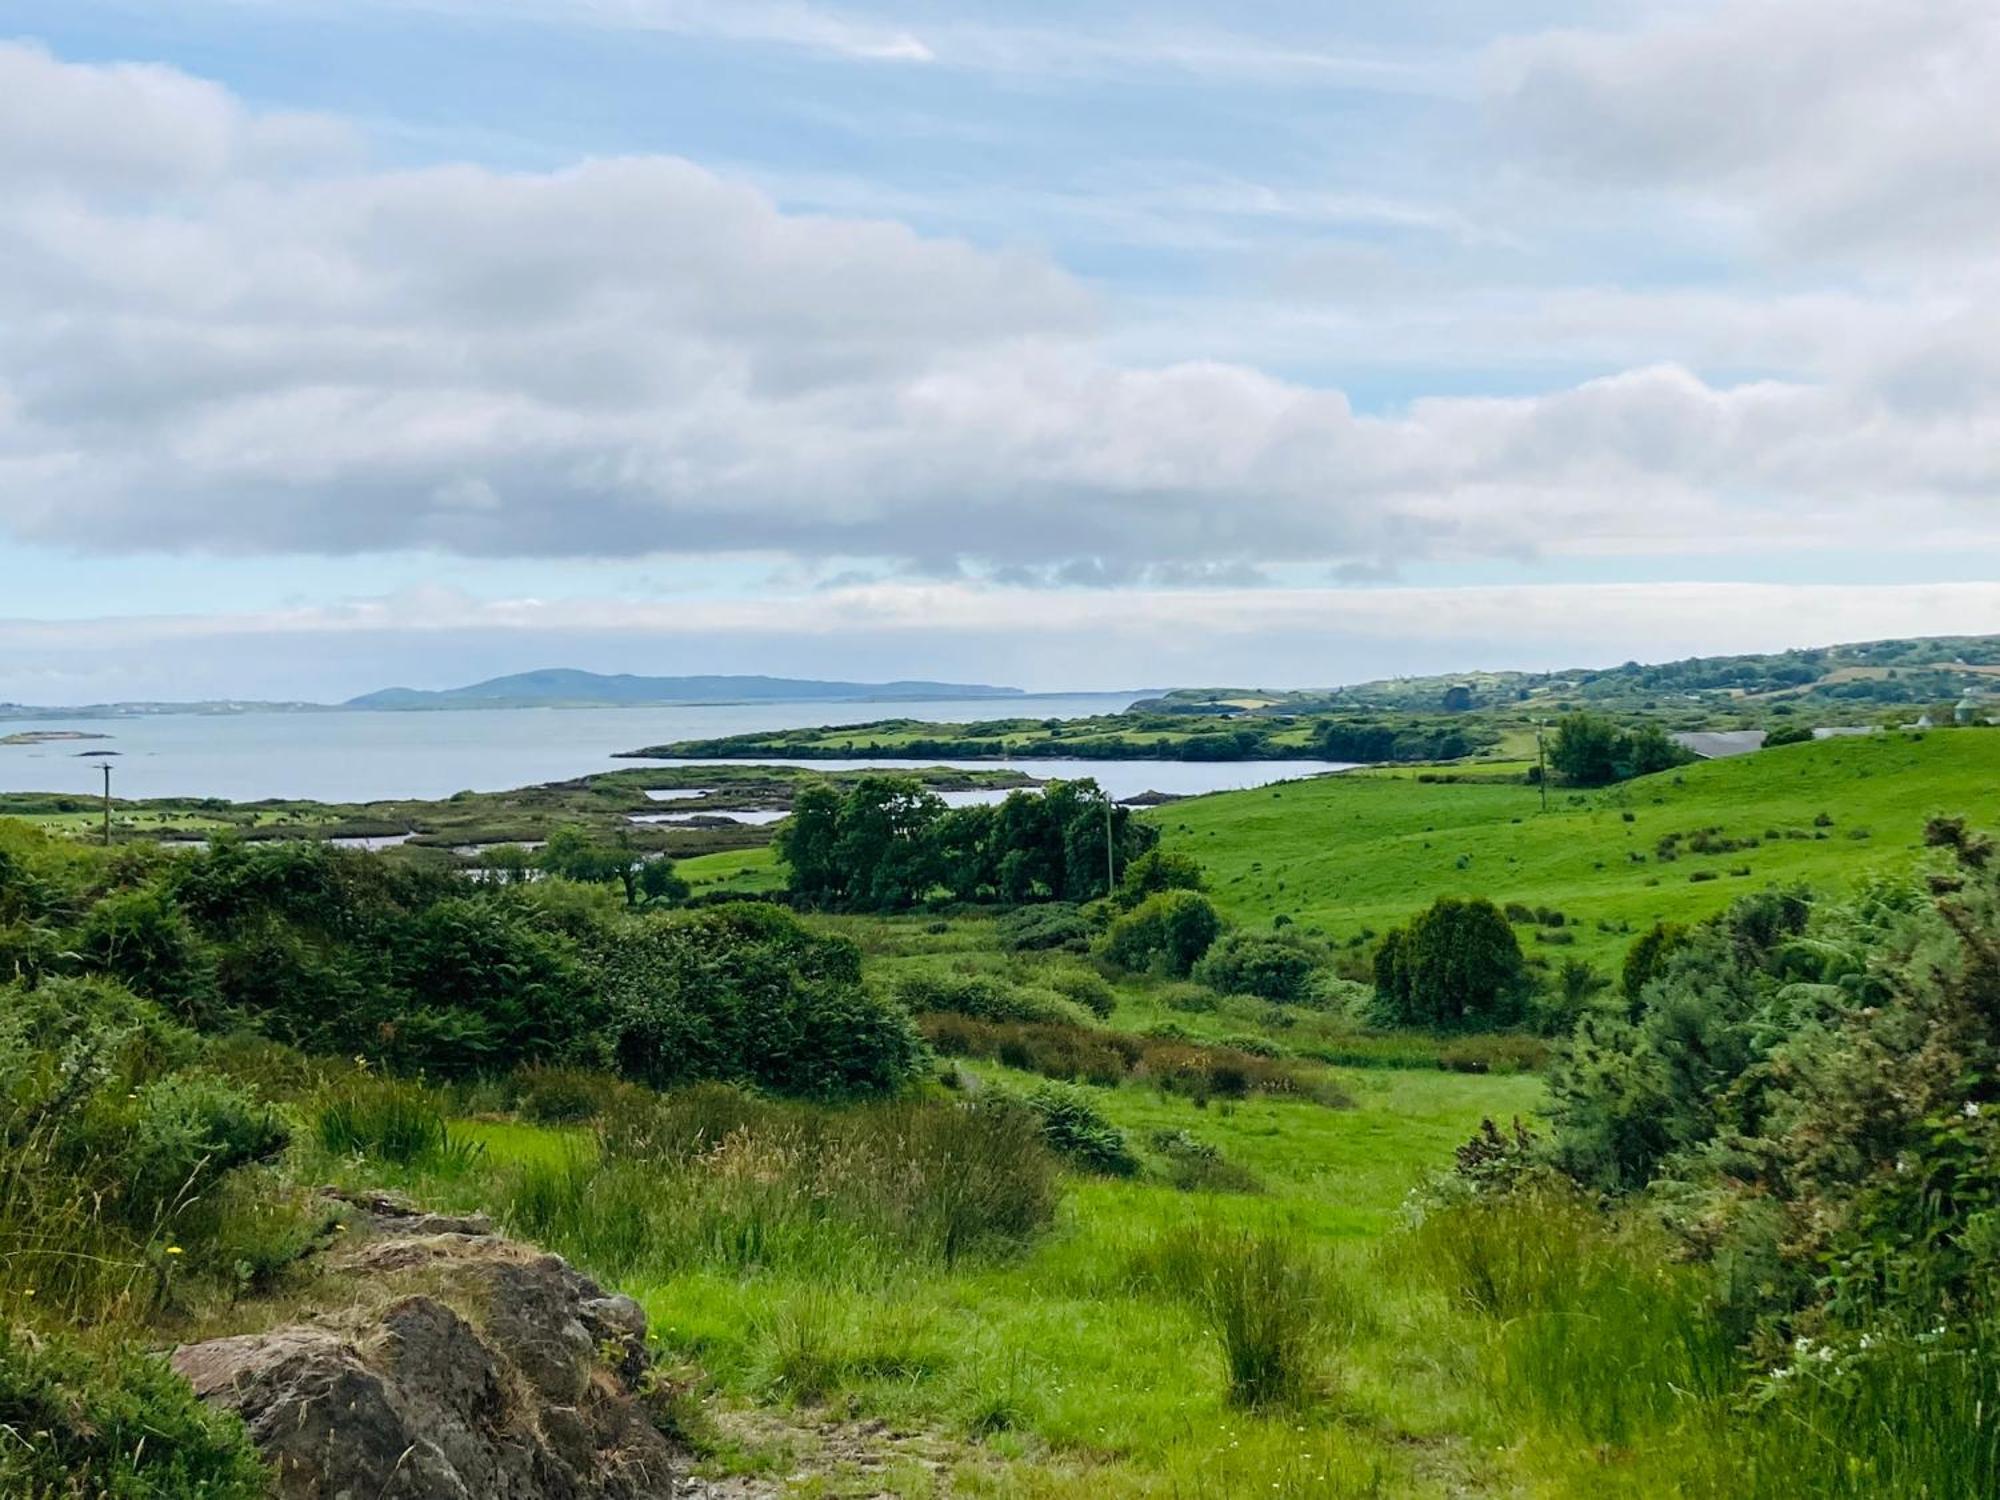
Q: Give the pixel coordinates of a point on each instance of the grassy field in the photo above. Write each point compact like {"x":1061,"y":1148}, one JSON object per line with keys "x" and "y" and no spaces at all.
{"x":1064,"y":1370}
{"x":1362,"y":852}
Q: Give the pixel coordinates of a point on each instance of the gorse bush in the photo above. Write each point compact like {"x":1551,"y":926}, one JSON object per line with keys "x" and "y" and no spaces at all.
{"x":1040,"y":928}
{"x":117,"y":1156}
{"x":117,"y":1423}
{"x":982,"y":997}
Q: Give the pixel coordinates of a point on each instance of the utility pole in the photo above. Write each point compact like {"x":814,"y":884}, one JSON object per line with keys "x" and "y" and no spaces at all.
{"x":1541,"y":767}
{"x":106,"y":768}
{"x":1110,"y":852}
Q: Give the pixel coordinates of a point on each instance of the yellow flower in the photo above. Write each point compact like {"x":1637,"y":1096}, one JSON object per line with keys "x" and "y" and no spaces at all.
{"x":173,"y":1249}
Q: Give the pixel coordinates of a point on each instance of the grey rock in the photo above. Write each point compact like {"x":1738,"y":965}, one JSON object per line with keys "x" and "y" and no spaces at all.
{"x":515,"y":1380}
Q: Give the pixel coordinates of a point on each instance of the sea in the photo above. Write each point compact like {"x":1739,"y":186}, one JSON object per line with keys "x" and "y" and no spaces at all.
{"x":366,"y":756}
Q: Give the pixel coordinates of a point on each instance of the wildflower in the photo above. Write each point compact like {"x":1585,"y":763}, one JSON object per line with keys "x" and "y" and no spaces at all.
{"x":174,"y":1250}
{"x":1971,"y":1110}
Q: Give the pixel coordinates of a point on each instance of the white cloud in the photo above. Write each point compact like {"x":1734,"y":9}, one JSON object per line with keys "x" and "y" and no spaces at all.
{"x":1841,"y":127}
{"x":634,"y":356}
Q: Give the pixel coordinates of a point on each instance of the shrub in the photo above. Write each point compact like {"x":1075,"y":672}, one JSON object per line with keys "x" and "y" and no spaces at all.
{"x":1195,"y":1166}
{"x":1074,"y":1127}
{"x":984,"y":997}
{"x":1283,"y":970}
{"x":1087,"y":989}
{"x":1036,"y":928}
{"x":1458,"y":964}
{"x":749,"y":992}
{"x":1171,"y":931}
{"x":1647,"y":957}
{"x":563,"y":1096}
{"x":76,"y":1423}
{"x":1155,"y":871}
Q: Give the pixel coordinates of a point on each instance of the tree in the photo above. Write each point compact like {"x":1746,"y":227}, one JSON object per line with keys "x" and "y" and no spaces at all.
{"x":806,"y":841}
{"x":1590,"y":750}
{"x":574,"y":853}
{"x":1458,"y":964}
{"x":1585,"y":750}
{"x":1158,"y":870}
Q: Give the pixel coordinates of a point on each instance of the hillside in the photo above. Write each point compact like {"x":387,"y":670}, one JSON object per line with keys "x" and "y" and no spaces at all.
{"x":1361,"y":852}
{"x":1842,"y":681}
{"x":565,"y":687}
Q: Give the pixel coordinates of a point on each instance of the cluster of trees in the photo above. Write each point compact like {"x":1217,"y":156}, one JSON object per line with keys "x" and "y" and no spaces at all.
{"x":887,"y":843}
{"x":1370,"y":741}
{"x":1591,"y":750}
{"x":337,"y":952}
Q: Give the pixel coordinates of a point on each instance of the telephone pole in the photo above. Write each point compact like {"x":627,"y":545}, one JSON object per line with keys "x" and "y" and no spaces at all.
{"x":106,"y":768}
{"x":1541,"y":767}
{"x":1110,"y":851}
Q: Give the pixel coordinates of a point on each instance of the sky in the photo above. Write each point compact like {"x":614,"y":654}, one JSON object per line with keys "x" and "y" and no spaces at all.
{"x":1279,"y":343}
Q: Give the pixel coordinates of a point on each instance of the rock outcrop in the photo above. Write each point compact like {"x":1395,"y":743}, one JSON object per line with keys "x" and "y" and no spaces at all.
{"x":479,"y":1369}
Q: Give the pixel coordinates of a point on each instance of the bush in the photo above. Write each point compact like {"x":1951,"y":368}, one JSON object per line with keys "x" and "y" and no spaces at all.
{"x":984,"y":997}
{"x":1195,"y":1166}
{"x":1037,"y":928}
{"x":1283,"y":970}
{"x":749,"y":992}
{"x":1457,"y":965}
{"x":563,"y":1096}
{"x":122,"y":1424}
{"x":1074,"y":1127}
{"x":1170,"y":931}
{"x":1155,"y":871}
{"x":1087,"y":989}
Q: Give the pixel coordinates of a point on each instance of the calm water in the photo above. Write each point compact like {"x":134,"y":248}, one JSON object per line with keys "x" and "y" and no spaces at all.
{"x":1121,"y":778}
{"x":361,"y":757}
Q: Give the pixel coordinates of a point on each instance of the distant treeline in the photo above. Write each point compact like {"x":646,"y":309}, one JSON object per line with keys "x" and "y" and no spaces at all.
{"x":1137,"y":737}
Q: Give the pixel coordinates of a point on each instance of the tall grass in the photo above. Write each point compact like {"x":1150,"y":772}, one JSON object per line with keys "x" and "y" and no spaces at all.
{"x":1912,"y":1416}
{"x":389,"y":1119}
{"x":1271,"y":1303}
{"x":713,"y":1178}
{"x":1591,"y":1332}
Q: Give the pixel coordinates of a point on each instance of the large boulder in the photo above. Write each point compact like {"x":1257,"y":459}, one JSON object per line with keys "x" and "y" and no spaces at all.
{"x":501,"y":1374}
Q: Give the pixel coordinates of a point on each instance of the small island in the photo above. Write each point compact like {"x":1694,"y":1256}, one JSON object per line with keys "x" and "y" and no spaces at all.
{"x":47,"y":736}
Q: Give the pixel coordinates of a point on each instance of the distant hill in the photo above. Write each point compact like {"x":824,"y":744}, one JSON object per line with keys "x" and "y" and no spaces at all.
{"x":1854,"y":679}
{"x":567,"y":687}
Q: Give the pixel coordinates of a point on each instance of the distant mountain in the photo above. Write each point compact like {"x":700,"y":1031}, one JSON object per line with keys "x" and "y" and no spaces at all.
{"x":566,"y":687}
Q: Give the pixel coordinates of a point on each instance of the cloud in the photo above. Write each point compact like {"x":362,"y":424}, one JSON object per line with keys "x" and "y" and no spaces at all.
{"x":634,"y":356}
{"x":1838,"y":128}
